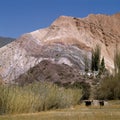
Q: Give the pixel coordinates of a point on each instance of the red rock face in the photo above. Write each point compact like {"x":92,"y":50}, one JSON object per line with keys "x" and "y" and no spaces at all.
{"x":65,"y":41}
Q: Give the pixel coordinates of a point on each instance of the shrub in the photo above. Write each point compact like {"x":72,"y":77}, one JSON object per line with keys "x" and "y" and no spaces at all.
{"x":109,"y":88}
{"x":36,"y":97}
{"x":85,"y":87}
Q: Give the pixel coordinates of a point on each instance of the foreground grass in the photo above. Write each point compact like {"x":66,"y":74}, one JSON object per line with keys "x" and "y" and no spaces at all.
{"x":110,"y":112}
{"x":36,"y":97}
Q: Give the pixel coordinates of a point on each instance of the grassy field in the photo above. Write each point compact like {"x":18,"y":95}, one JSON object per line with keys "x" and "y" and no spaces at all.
{"x":36,"y":97}
{"x":109,"y":112}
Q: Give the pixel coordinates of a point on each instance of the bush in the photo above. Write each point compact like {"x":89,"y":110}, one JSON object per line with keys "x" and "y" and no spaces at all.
{"x":85,"y":87}
{"x":36,"y":97}
{"x":109,"y":88}
{"x":16,"y":99}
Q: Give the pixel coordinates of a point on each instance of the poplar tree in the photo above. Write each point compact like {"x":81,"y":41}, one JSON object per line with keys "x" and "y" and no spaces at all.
{"x":102,"y":65}
{"x":86,"y":62}
{"x":117,"y":62}
{"x":95,"y":62}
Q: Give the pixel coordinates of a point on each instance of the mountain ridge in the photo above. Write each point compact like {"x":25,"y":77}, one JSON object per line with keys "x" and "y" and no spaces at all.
{"x":66,"y":41}
{"x":5,"y":40}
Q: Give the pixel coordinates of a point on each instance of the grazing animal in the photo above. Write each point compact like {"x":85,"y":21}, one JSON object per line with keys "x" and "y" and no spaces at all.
{"x":88,"y":102}
{"x":101,"y":102}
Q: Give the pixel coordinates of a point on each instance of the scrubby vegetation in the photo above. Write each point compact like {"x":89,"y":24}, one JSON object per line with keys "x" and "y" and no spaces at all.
{"x":104,"y":85}
{"x":109,"y":87}
{"x":85,"y":87}
{"x":36,"y":97}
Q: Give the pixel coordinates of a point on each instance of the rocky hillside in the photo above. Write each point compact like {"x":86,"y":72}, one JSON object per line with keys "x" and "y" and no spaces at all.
{"x":48,"y":71}
{"x":65,"y":41}
{"x":4,"y":41}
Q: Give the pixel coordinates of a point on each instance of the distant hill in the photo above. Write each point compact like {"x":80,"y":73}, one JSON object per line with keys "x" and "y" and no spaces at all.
{"x":5,"y":40}
{"x":48,"y":71}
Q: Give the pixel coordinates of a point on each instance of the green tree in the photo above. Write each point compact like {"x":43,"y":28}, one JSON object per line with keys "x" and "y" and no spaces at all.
{"x":102,"y":65}
{"x":117,"y":62}
{"x":86,"y":62}
{"x":92,"y":61}
{"x":95,"y":62}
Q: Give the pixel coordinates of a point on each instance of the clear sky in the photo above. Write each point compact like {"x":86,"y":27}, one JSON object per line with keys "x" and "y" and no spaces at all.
{"x":21,"y":16}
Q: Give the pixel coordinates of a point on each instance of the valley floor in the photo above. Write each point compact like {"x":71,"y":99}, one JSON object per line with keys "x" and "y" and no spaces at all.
{"x":80,"y":112}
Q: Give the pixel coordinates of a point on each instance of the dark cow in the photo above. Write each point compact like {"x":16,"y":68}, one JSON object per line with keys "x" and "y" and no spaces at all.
{"x":101,"y":102}
{"x":88,"y":102}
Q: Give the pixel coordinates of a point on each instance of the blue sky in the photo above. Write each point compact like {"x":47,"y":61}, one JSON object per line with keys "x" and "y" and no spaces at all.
{"x":21,"y":16}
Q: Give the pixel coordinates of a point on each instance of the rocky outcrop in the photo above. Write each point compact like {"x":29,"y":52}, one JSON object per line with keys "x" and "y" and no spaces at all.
{"x":66,"y":41}
{"x":49,"y":71}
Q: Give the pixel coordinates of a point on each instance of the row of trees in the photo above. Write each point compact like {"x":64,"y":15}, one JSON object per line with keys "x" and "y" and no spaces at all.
{"x":109,"y":87}
{"x":96,"y":63}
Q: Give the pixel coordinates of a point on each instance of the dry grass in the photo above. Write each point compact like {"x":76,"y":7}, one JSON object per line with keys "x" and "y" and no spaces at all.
{"x":110,"y":112}
{"x":36,"y":97}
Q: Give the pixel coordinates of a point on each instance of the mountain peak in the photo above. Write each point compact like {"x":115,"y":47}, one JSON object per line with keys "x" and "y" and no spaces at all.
{"x":65,"y":41}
